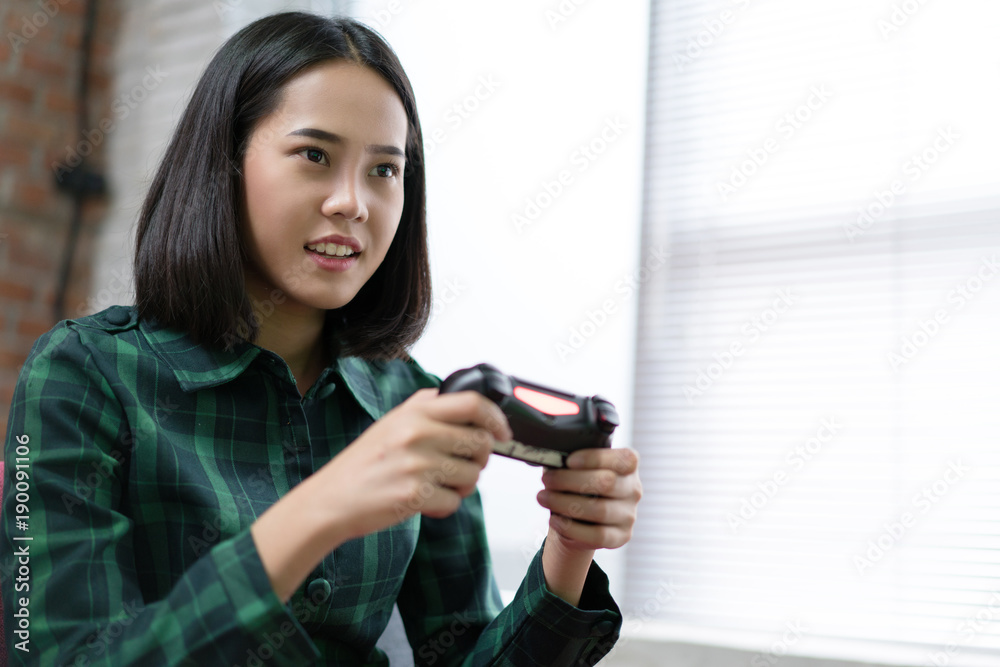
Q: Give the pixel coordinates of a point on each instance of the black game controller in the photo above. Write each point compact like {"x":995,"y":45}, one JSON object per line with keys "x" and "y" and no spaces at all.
{"x":548,"y":424}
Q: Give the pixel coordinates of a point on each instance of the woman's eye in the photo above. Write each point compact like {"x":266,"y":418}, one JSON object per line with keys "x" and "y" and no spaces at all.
{"x":384,"y":171}
{"x":314,"y":155}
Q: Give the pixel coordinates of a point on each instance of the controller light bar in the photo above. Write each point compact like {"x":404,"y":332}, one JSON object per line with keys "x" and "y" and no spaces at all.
{"x":550,"y":405}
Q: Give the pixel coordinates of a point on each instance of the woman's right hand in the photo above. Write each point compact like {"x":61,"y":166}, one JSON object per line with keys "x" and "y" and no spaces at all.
{"x":424,"y":456}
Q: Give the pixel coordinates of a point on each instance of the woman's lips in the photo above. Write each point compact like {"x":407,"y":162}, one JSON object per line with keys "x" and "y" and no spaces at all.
{"x":331,"y":263}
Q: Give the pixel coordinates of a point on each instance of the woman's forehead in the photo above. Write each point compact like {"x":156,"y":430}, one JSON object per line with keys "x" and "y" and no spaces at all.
{"x":342,"y":93}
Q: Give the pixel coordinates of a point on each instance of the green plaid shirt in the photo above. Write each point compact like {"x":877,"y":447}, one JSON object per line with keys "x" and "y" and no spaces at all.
{"x":145,"y":458}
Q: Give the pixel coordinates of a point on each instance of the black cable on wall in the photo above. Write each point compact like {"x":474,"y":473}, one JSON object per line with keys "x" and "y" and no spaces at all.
{"x":79,"y":182}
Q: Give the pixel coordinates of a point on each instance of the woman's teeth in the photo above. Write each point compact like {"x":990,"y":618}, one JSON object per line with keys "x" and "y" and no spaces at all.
{"x":332,"y":249}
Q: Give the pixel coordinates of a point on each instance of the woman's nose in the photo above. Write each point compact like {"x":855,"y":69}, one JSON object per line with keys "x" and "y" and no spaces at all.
{"x":345,"y":199}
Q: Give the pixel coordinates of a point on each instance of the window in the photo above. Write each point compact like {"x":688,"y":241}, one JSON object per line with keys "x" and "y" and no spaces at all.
{"x":816,"y":394}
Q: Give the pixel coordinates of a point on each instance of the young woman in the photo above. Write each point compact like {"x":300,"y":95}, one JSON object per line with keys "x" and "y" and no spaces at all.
{"x":246,"y":467}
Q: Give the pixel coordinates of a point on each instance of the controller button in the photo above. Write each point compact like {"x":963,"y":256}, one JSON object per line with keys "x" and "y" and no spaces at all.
{"x":496,"y":385}
{"x":607,"y":416}
{"x":607,"y":419}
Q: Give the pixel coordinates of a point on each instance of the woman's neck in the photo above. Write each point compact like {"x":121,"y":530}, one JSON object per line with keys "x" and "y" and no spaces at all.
{"x":298,"y":342}
{"x":295,"y":335}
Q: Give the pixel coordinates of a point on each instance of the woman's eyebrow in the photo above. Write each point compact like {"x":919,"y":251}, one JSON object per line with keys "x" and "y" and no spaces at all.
{"x":332,"y":138}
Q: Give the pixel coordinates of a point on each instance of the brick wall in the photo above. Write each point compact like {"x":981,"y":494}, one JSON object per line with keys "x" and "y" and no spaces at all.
{"x":39,"y":70}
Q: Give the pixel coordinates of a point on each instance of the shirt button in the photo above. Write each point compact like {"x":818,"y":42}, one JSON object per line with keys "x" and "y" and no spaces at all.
{"x":118,"y":316}
{"x":601,"y":629}
{"x":319,"y":590}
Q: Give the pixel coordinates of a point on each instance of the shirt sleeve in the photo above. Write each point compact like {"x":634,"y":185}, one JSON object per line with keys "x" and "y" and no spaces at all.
{"x":451,"y":607}
{"x":78,"y":600}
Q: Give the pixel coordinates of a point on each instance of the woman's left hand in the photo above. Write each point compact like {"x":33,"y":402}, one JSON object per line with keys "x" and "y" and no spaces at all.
{"x":593,"y":501}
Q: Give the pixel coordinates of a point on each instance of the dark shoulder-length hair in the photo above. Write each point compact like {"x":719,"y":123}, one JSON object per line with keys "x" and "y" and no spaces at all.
{"x":190,"y":257}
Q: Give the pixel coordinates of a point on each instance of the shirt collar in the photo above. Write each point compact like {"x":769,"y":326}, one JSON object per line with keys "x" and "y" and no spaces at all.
{"x":359,"y":378}
{"x":199,"y":367}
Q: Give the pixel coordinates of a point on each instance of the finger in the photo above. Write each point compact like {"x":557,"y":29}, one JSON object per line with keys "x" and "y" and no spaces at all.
{"x":590,"y":536}
{"x":460,"y":442}
{"x":623,"y":461}
{"x":469,"y":407}
{"x":436,"y":438}
{"x":457,"y":474}
{"x":598,"y":511}
{"x":422,"y":395}
{"x":600,"y":482}
{"x":435,"y":501}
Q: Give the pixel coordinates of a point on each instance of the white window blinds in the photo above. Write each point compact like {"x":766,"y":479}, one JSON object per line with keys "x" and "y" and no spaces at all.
{"x":818,"y":374}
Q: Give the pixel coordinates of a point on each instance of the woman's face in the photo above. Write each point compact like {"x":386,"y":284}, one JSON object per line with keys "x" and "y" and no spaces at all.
{"x":323,"y":181}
